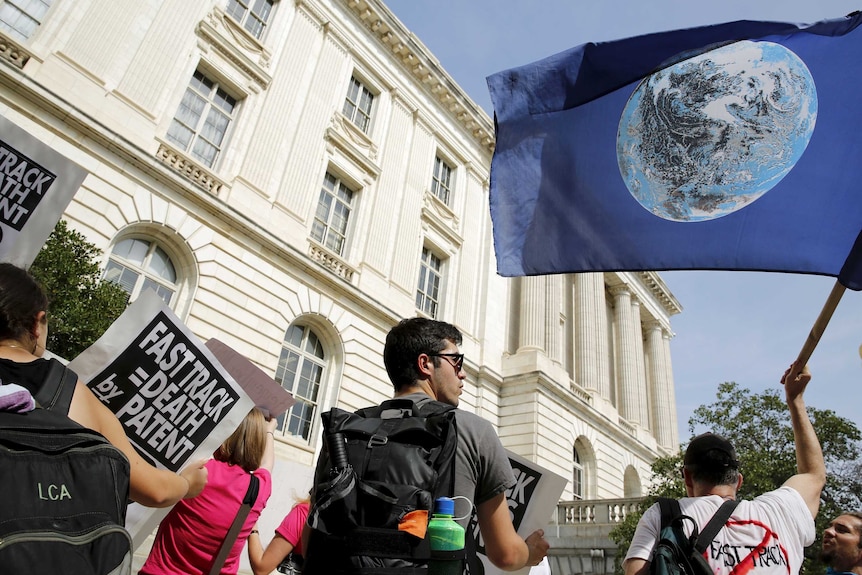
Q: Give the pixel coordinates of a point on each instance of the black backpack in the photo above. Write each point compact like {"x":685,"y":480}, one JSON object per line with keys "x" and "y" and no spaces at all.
{"x":378,"y":465}
{"x":679,"y":554}
{"x":65,"y":489}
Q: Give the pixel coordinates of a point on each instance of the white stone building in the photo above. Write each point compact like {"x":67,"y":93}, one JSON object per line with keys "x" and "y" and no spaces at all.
{"x":295,"y":176}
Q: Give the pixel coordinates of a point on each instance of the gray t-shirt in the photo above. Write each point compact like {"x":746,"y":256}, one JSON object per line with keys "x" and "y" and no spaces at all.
{"x":482,"y":468}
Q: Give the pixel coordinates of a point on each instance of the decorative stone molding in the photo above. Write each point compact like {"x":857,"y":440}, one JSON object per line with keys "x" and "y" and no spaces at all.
{"x":13,"y":53}
{"x":627,"y":427}
{"x":581,"y":393}
{"x":330,"y":261}
{"x":619,"y":290}
{"x":428,"y":72}
{"x":439,"y":216}
{"x":656,"y":285}
{"x":241,"y":49}
{"x":189,"y":169}
{"x":342,"y":134}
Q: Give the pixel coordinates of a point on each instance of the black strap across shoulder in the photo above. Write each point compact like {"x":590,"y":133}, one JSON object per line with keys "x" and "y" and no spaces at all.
{"x":670,"y":510}
{"x":711,"y":529}
{"x":57,"y":389}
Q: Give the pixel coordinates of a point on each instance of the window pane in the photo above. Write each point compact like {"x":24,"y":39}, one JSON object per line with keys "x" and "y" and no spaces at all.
{"x":300,"y":372}
{"x":202,"y":120}
{"x":332,"y":215}
{"x":294,"y":336}
{"x":357,"y":104}
{"x":20,"y":18}
{"x":161,"y":265}
{"x":235,"y":9}
{"x":137,"y":264}
{"x":120,"y":275}
{"x":428,"y":288}
{"x":163,"y":292}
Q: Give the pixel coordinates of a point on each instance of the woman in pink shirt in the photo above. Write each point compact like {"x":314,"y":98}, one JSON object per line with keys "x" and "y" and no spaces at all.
{"x":189,"y":538}
{"x":286,"y":543}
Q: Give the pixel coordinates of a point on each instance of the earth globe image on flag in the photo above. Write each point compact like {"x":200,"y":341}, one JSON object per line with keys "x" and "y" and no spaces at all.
{"x":710,"y":134}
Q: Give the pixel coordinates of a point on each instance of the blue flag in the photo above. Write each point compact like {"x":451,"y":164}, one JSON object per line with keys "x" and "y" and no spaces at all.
{"x":729,"y":147}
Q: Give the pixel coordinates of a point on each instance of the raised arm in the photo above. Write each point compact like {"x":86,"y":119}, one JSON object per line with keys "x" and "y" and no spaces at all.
{"x":268,"y":459}
{"x":149,"y":485}
{"x":504,"y":547}
{"x":811,"y":469}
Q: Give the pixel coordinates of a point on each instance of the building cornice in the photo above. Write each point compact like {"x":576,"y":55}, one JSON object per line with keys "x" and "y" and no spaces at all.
{"x":659,"y":289}
{"x":418,"y":61}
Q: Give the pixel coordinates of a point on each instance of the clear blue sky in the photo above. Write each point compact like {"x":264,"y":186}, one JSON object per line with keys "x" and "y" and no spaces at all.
{"x":735,"y":326}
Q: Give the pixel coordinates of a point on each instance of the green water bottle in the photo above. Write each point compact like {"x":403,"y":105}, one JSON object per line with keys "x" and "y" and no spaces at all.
{"x":447,"y":539}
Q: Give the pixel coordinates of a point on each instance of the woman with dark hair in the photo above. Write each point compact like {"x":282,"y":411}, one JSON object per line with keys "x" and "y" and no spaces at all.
{"x":23,"y":334}
{"x":189,"y":538}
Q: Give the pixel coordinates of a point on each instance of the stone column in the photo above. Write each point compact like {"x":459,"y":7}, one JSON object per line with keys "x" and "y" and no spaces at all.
{"x":640,"y":367}
{"x":531,"y":333}
{"x":553,"y":348}
{"x":670,"y":392}
{"x":591,"y":334}
{"x":663,"y":420}
{"x":626,"y":362}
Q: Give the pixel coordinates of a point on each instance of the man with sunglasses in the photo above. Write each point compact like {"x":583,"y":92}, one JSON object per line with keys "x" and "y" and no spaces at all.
{"x":423,"y":361}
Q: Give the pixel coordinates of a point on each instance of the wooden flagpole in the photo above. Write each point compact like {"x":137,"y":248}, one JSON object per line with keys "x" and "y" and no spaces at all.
{"x":820,"y":325}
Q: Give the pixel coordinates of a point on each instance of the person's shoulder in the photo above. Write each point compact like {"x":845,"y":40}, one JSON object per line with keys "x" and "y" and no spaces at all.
{"x":469,"y":417}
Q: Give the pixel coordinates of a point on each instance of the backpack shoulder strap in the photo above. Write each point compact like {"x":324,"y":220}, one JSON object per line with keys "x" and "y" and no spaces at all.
{"x":711,"y":529}
{"x":433,"y":407}
{"x":236,"y":526}
{"x":669,"y":510}
{"x":57,"y":389}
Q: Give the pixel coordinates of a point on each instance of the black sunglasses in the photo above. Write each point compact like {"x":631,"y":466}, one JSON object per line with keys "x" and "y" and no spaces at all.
{"x":458,"y":357}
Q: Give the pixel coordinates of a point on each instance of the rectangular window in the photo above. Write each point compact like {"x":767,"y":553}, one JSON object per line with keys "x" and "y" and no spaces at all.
{"x":333,"y":214}
{"x":357,"y":105}
{"x":441,"y":181}
{"x":251,"y":14}
{"x":20,"y":18}
{"x":428,"y":291}
{"x":202,"y":120}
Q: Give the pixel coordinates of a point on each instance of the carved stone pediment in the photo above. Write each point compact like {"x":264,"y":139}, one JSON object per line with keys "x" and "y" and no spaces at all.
{"x":241,"y":49}
{"x":439,"y":216}
{"x":353,"y":143}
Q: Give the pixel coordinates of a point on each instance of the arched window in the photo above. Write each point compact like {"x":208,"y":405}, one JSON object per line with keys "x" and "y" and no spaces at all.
{"x":136,"y":264}
{"x":578,"y":476}
{"x":300,"y":371}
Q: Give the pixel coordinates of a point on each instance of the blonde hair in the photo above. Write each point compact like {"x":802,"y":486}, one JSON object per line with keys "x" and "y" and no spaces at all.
{"x":245,"y":446}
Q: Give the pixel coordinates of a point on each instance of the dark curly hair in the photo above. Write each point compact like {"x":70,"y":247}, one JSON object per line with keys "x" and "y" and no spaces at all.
{"x":410,"y":338}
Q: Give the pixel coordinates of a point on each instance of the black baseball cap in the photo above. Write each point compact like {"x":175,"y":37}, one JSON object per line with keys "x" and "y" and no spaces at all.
{"x":711,"y":451}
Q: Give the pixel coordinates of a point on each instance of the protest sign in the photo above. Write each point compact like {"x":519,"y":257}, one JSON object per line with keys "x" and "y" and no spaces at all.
{"x":176,"y":402}
{"x":36,"y":185}
{"x":266,"y":393}
{"x":532,"y":501}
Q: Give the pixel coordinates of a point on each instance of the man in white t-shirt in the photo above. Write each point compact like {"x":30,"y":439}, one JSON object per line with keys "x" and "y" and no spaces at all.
{"x":765,"y":536}
{"x":842,"y":544}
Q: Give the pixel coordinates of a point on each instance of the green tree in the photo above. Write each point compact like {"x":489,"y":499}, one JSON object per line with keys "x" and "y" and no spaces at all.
{"x":81,"y":304}
{"x":759,"y":427}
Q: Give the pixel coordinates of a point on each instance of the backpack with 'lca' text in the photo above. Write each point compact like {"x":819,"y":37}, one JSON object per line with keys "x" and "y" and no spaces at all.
{"x":679,"y":554}
{"x":375,"y":486}
{"x":65,"y":489}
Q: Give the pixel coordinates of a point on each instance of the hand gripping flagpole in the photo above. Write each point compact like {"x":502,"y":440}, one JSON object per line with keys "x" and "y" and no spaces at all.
{"x":820,"y":324}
